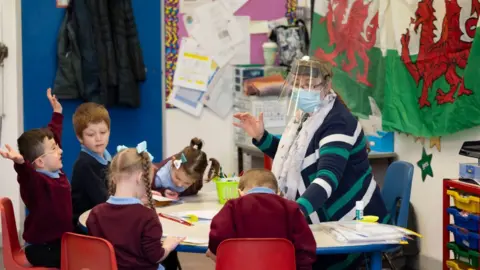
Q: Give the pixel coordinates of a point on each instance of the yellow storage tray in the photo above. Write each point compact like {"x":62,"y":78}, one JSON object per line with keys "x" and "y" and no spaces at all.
{"x":458,"y":265}
{"x":467,"y":203}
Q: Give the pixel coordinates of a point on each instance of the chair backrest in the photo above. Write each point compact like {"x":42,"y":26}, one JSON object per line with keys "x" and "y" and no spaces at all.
{"x":398,"y":186}
{"x":87,"y":252}
{"x":256,"y":254}
{"x":10,"y":241}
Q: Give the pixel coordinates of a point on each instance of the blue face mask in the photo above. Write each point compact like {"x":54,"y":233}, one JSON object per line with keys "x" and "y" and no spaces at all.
{"x":163,"y":178}
{"x":308,"y":101}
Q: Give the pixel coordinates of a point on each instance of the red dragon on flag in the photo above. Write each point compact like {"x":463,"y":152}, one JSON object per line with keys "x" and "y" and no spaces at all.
{"x":346,"y":31}
{"x":443,"y":57}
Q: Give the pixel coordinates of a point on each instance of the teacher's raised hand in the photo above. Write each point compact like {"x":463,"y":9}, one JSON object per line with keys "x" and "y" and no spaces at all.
{"x":253,"y":126}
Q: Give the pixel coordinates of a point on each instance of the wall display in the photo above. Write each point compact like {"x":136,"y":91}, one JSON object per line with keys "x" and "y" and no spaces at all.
{"x":436,"y":142}
{"x":425,"y":164}
{"x":399,"y":53}
{"x":176,"y":27}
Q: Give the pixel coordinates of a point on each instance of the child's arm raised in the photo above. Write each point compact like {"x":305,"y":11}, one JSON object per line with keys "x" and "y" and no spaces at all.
{"x":21,"y":167}
{"x":56,"y":123}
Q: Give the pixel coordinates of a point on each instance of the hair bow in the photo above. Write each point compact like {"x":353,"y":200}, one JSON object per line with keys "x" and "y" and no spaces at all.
{"x":179,"y":162}
{"x":141,"y":147}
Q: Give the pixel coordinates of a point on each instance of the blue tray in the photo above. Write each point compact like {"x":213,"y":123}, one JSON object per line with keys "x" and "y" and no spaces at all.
{"x":465,"y":238}
{"x":465,"y":220}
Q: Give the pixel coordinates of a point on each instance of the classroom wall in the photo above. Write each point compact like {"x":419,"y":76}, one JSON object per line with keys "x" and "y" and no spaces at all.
{"x":217,"y":134}
{"x":40,"y":23}
{"x":12,"y":84}
{"x":427,"y":196}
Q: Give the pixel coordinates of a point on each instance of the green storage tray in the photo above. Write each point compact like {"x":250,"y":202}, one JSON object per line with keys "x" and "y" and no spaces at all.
{"x":467,"y":256}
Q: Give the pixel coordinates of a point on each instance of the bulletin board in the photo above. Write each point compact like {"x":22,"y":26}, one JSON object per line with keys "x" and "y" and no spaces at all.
{"x":257,"y":10}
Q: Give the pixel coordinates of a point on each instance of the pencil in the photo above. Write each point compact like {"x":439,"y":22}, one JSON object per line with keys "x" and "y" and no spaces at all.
{"x":176,"y":219}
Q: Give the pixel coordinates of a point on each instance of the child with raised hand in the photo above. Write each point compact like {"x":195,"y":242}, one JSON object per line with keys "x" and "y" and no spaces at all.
{"x":133,"y":229}
{"x":44,"y":189}
{"x":261,"y":213}
{"x":183,"y":174}
{"x":91,"y":123}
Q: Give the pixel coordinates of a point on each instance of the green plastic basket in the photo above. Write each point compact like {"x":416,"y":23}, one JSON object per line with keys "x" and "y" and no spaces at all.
{"x":227,"y":189}
{"x":470,"y":257}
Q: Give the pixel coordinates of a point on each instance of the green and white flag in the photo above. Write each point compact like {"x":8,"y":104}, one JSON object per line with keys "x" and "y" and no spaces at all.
{"x":419,"y":60}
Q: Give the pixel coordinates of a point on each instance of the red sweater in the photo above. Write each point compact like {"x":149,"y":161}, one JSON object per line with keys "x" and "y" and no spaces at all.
{"x":265,"y":216}
{"x":134,"y":230}
{"x":48,"y":200}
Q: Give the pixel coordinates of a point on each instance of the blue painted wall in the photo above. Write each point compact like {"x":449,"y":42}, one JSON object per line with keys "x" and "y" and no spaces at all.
{"x":40,"y":23}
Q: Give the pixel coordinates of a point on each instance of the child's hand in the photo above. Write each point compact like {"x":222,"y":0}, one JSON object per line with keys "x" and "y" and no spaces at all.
{"x":56,"y":106}
{"x":12,"y":155}
{"x":210,"y":255}
{"x":171,"y":194}
{"x":154,"y":192}
{"x":171,"y":242}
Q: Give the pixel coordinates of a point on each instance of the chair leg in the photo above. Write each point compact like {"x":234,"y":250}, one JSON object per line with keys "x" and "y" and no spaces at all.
{"x":389,"y":261}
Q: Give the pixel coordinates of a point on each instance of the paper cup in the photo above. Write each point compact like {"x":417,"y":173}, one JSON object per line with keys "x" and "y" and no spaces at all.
{"x":270,"y":53}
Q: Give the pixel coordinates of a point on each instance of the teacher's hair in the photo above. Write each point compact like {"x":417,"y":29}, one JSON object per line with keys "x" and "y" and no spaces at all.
{"x":258,"y":178}
{"x":127,"y":162}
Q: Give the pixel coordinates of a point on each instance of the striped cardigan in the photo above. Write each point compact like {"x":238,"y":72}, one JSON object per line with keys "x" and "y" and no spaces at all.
{"x":336,"y":172}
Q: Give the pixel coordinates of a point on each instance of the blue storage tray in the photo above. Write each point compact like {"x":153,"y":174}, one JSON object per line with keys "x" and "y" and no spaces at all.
{"x":467,"y":221}
{"x":465,"y":238}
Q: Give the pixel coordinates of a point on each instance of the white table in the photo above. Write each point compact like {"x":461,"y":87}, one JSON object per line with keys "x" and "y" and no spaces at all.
{"x":326,"y":244}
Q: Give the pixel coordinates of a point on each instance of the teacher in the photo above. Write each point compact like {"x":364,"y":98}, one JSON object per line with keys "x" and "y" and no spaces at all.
{"x":321,"y":160}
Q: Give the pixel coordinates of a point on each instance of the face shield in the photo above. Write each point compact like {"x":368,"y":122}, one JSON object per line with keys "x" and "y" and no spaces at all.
{"x":306,"y":86}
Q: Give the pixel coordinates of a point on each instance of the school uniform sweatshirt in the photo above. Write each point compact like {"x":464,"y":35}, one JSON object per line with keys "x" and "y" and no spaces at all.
{"x":133,"y":229}
{"x":263,"y":215}
{"x":47,"y":197}
{"x":336,"y":171}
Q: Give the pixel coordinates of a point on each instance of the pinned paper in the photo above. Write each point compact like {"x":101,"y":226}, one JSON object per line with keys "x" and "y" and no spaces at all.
{"x":419,"y":139}
{"x":259,"y":27}
{"x":219,"y":97}
{"x":193,"y":66}
{"x":188,"y":6}
{"x":62,"y":3}
{"x":186,"y":99}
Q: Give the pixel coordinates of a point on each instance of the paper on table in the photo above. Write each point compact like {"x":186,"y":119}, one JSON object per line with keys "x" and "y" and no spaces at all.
{"x":242,"y":49}
{"x":193,"y":66}
{"x":187,"y":6}
{"x":233,"y":5}
{"x":201,"y":214}
{"x":161,"y":198}
{"x":219,"y":96}
{"x":186,"y":99}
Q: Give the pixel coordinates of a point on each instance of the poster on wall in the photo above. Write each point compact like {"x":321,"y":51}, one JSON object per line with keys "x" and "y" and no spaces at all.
{"x":400,"y":53}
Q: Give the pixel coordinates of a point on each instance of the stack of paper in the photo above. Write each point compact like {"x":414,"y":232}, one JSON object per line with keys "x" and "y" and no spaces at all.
{"x":363,"y":232}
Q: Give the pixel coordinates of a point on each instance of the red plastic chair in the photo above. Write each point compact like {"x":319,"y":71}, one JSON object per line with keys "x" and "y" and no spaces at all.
{"x":13,"y":256}
{"x":267,"y":162}
{"x":256,"y":254}
{"x":87,"y":252}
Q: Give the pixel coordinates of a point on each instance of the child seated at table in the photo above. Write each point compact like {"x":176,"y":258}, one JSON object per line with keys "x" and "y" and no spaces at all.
{"x":133,"y":229}
{"x":91,"y":123}
{"x":183,"y":173}
{"x":261,"y":213}
{"x":44,"y":189}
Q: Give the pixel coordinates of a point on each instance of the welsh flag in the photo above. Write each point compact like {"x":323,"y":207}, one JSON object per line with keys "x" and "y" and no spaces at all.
{"x":419,"y":60}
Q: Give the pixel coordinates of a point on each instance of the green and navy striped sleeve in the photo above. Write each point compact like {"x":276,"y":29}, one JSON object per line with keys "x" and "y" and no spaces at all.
{"x":268,"y":144}
{"x":335,"y":141}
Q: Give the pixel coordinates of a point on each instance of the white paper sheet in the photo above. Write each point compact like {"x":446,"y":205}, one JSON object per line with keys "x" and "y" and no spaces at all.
{"x":201,"y":214}
{"x":161,"y":198}
{"x":242,"y":49}
{"x":259,"y":27}
{"x":217,"y":31}
{"x":219,"y":97}
{"x":233,"y":5}
{"x":188,"y":100}
{"x":188,"y":6}
{"x":193,"y":66}
{"x":274,"y":112}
